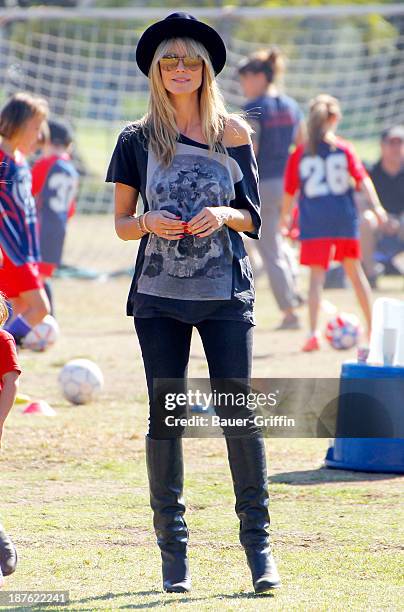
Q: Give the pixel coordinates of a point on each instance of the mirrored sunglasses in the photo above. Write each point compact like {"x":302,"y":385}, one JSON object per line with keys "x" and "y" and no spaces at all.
{"x":171,"y":62}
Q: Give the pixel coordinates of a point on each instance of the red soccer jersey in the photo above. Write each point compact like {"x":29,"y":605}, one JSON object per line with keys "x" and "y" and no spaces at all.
{"x":8,"y":356}
{"x":354,"y":166}
{"x":54,"y":186}
{"x":40,"y":174}
{"x":324,"y":181}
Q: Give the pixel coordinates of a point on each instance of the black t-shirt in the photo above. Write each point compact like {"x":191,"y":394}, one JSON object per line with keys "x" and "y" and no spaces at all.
{"x":390,"y":189}
{"x":190,"y":279}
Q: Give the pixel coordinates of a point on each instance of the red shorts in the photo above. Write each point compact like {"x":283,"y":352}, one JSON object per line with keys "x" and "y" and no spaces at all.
{"x":46,"y":269}
{"x":17,"y":279}
{"x":320,"y":251}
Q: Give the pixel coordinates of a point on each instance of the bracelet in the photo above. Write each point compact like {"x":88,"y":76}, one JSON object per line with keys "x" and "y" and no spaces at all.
{"x":140,"y":228}
{"x":140,"y":221}
{"x":144,"y":222}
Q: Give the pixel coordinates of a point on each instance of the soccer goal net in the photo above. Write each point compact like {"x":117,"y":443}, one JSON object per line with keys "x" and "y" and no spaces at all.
{"x":83,"y":62}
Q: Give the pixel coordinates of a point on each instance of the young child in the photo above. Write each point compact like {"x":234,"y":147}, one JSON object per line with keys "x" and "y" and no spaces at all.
{"x":54,"y":186}
{"x":9,"y":373}
{"x":323,"y":171}
{"x":21,"y":122}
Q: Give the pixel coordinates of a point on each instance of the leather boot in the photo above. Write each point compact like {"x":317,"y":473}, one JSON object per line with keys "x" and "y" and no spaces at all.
{"x":248,"y":469}
{"x":8,"y":553}
{"x":166,"y":478}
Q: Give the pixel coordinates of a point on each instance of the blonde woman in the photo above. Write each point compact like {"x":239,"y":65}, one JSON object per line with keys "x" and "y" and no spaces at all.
{"x":193,"y":164}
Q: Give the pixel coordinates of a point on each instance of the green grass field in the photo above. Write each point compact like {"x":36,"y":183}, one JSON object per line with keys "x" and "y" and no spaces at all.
{"x":75,"y":497}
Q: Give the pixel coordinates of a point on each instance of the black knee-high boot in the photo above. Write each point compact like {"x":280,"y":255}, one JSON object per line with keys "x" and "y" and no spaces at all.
{"x":166,"y":479}
{"x":248,"y":469}
{"x":8,"y":553}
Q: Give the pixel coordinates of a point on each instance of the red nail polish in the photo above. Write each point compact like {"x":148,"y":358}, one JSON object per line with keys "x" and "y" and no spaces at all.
{"x":182,"y":236}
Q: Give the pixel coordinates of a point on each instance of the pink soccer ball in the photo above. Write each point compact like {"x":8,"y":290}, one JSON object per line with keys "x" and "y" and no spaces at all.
{"x":343,"y":331}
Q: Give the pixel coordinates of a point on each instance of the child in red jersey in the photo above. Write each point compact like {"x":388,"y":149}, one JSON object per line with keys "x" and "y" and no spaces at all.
{"x":54,"y":186}
{"x":9,"y":373}
{"x":21,"y":122}
{"x":323,"y":171}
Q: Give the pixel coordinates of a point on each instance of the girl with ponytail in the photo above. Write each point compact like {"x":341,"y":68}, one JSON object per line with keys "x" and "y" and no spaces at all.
{"x":278,"y":123}
{"x":323,"y":172}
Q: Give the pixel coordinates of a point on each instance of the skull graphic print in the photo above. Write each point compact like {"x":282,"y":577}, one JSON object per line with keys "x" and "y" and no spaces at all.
{"x":191,"y":268}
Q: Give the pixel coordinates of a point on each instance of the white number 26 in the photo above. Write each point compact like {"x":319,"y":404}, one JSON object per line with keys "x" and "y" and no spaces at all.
{"x":325,"y":176}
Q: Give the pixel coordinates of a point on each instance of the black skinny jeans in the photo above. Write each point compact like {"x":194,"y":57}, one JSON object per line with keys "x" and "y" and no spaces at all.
{"x":165,"y":343}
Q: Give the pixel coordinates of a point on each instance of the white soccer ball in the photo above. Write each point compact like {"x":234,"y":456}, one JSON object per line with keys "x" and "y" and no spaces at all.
{"x":81,"y":380}
{"x":343,"y":331}
{"x":43,"y":335}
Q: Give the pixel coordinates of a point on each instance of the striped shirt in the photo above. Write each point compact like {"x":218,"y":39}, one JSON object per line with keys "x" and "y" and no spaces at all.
{"x":18,"y":219}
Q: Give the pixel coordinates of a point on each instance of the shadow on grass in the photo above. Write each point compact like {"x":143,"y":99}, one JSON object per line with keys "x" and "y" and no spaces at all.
{"x":165,"y":599}
{"x":255,"y":356}
{"x":325,"y":475}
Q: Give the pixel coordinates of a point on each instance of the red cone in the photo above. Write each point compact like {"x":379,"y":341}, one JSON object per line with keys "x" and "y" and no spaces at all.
{"x":40,"y":407}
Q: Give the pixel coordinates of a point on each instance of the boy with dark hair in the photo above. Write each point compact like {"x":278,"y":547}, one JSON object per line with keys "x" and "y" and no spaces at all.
{"x":54,"y":186}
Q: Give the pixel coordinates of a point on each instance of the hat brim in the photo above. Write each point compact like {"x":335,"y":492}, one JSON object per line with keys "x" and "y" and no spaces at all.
{"x":180,"y":28}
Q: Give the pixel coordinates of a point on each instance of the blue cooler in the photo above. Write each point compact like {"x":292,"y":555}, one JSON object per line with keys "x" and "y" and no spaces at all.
{"x":365,"y":392}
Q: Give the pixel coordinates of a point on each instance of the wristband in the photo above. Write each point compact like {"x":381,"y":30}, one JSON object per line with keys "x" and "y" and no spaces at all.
{"x":140,"y":220}
{"x":142,"y":231}
{"x":144,"y":222}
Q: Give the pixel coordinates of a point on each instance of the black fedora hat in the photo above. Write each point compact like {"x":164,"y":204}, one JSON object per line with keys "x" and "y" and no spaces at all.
{"x":180,"y":25}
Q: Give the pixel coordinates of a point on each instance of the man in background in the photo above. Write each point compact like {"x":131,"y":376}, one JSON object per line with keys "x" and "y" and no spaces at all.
{"x":388,"y":178}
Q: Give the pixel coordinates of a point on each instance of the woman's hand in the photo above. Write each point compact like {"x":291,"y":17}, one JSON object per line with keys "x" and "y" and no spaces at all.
{"x":207,"y":221}
{"x":165,"y":224}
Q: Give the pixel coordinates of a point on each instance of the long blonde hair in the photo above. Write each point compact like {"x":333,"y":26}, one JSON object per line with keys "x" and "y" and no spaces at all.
{"x":322,"y":108}
{"x":159,"y":122}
